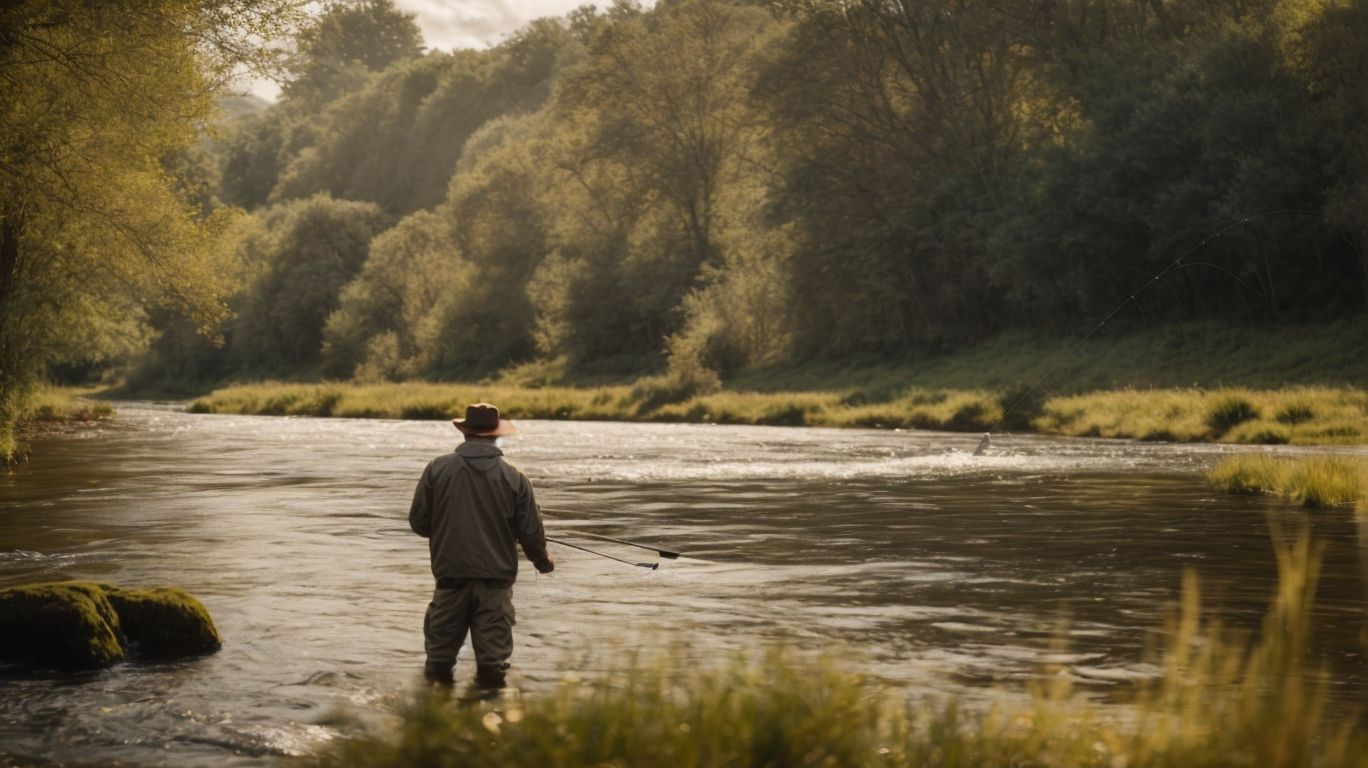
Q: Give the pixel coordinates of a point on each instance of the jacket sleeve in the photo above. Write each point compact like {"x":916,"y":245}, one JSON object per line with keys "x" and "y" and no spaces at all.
{"x":527,"y":522}
{"x":420,"y":513}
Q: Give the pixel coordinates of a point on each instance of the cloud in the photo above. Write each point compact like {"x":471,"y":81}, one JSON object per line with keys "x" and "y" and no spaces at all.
{"x":451,"y":24}
{"x":448,"y":24}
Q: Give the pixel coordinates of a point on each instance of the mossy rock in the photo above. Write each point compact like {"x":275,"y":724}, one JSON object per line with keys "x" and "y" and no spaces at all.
{"x":84,"y":625}
{"x":70,"y":625}
{"x":164,"y":622}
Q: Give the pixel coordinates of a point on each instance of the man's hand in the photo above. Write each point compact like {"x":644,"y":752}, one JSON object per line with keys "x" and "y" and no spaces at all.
{"x":545,"y":566}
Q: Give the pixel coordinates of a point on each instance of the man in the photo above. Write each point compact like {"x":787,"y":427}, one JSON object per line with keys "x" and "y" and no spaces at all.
{"x":472,"y":506}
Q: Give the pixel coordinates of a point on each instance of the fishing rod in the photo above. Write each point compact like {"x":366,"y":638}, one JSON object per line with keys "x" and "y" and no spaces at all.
{"x":651,"y":566}
{"x":668,"y":554}
{"x":986,"y":440}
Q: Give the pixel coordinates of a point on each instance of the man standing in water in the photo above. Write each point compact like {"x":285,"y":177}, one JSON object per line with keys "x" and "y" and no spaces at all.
{"x":472,"y":506}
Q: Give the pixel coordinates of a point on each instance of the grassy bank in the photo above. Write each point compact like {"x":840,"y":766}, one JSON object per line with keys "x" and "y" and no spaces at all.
{"x":46,"y":408}
{"x":1295,"y":415}
{"x":1194,"y":382}
{"x":1298,"y":415}
{"x":1314,"y":482}
{"x":914,"y":408}
{"x":1205,"y":354}
{"x":1220,"y":701}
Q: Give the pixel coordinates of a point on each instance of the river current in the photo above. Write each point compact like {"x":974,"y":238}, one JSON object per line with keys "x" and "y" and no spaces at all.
{"x":899,"y":552}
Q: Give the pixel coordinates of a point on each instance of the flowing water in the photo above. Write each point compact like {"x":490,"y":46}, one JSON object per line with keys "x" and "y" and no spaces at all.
{"x":936,"y":570}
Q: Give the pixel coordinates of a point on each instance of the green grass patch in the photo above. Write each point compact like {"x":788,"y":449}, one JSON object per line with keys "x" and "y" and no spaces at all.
{"x":1222,"y":700}
{"x":1210,"y":355}
{"x":58,"y":404}
{"x":1313,"y":481}
{"x":47,"y":408}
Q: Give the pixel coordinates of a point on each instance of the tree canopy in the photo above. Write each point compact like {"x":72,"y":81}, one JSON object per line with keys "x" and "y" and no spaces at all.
{"x":99,"y":99}
{"x":706,"y":185}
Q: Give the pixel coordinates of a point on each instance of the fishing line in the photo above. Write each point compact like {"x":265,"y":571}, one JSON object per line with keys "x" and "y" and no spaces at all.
{"x":985,"y":441}
{"x":668,"y":554}
{"x":651,"y":566}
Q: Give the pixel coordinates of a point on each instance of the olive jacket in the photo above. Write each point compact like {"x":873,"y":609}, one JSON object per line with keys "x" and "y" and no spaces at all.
{"x":472,"y":506}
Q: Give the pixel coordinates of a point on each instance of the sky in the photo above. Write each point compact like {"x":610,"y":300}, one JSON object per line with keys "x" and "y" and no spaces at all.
{"x":448,"y":24}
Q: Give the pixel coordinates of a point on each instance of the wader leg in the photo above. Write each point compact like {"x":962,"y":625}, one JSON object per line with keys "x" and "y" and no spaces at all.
{"x":444,"y":630}
{"x":491,"y":632}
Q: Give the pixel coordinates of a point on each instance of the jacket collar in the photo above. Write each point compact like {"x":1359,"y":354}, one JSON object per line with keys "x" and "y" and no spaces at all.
{"x":473,"y":449}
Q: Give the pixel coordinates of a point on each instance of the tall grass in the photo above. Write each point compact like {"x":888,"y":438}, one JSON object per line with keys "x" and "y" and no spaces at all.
{"x":1314,"y":481}
{"x":1221,"y":701}
{"x":46,"y":406}
{"x":1298,"y":415}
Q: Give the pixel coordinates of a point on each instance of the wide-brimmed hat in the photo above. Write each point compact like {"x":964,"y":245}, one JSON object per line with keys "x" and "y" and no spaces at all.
{"x":482,"y":420}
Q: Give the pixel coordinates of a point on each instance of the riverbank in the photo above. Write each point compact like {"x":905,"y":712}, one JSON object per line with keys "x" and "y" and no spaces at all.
{"x":1218,"y":702}
{"x":1184,"y":383}
{"x":1296,"y":415}
{"x":50,"y":408}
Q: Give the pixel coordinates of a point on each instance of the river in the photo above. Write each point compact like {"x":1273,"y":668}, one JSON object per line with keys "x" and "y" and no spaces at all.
{"x":933,"y":569}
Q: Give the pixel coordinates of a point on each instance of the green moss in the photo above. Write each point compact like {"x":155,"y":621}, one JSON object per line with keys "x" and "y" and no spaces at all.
{"x":164,"y":622}
{"x":85,"y":625}
{"x":68,"y":625}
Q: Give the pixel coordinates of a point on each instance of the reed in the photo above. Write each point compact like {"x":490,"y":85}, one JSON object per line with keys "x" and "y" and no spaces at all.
{"x":1313,"y":481}
{"x":1221,"y":701}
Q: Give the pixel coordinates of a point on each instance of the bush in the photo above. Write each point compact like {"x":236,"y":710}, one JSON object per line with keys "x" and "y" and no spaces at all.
{"x":680,"y":384}
{"x":1228,"y":412}
{"x":1296,"y":413}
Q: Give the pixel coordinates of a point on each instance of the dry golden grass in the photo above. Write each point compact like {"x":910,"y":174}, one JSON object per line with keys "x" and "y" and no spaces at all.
{"x":956,"y":410}
{"x":1295,"y":415}
{"x":1313,"y":481}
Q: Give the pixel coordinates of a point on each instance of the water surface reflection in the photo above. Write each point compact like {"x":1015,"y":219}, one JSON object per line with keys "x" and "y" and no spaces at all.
{"x":930,"y":567}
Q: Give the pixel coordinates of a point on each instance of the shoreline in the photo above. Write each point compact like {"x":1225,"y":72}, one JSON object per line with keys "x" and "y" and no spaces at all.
{"x":1289,"y":415}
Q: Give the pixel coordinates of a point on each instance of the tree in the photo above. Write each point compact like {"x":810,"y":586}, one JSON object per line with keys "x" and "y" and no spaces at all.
{"x":316,"y":247}
{"x":1333,"y":60}
{"x":395,"y":140}
{"x":92,"y":230}
{"x":345,"y":43}
{"x":652,"y":127}
{"x":388,"y":320}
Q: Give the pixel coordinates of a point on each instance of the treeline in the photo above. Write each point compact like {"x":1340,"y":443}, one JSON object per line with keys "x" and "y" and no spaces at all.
{"x":710,"y":184}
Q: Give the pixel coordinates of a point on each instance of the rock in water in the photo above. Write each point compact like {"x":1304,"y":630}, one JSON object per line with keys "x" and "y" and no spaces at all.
{"x":69,"y":625}
{"x":85,"y":625}
{"x":164,"y":622}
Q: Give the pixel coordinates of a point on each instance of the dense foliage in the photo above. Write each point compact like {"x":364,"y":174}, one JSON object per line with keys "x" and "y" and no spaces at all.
{"x":104,"y":214}
{"x":705,"y":185}
{"x":712,"y":184}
